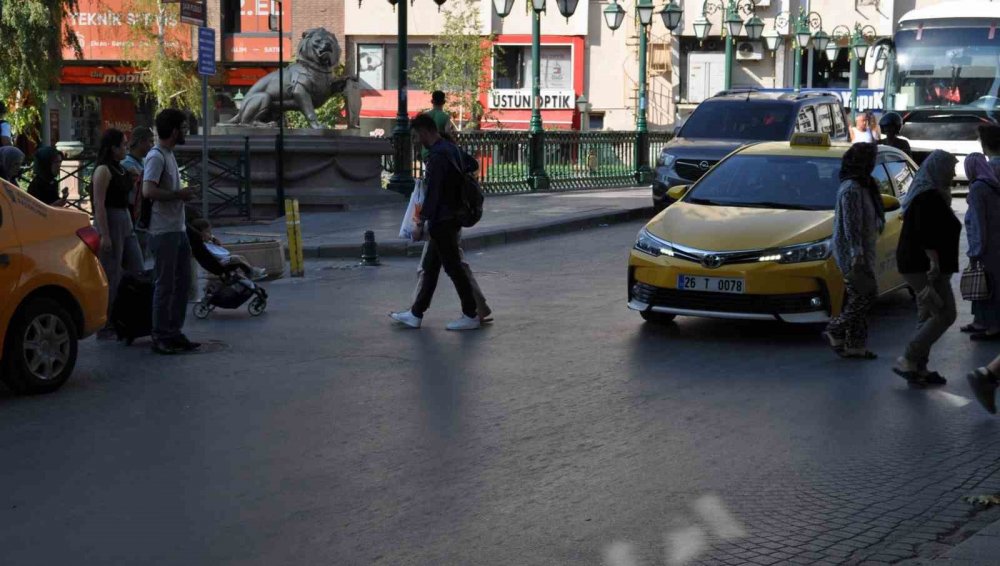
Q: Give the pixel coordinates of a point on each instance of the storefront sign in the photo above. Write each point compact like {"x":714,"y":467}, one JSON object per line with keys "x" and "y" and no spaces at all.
{"x":521,"y":100}
{"x":193,"y":12}
{"x":101,"y":75}
{"x":107,"y":31}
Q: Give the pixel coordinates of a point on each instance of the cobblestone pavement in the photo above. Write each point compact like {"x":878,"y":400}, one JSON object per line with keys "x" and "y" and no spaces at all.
{"x":569,"y":432}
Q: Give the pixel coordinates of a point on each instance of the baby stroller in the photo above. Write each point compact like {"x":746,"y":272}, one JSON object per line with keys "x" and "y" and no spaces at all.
{"x":231,"y":290}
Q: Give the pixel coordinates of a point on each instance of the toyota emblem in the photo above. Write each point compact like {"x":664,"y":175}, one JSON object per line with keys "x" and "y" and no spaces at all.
{"x":712,"y":261}
{"x":704,"y":165}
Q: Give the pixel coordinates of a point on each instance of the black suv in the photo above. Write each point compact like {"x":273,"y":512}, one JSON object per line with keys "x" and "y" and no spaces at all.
{"x":733,"y":118}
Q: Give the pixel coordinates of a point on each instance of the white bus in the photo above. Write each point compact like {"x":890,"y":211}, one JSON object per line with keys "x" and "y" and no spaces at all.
{"x":943,"y":75}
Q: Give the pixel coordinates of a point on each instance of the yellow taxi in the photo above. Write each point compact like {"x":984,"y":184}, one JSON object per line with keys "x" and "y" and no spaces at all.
{"x":752,"y":238}
{"x":53,"y":291}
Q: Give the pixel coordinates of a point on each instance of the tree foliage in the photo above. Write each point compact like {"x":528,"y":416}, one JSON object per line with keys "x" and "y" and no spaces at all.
{"x":32,"y":35}
{"x":456,"y":61}
{"x":169,"y":79}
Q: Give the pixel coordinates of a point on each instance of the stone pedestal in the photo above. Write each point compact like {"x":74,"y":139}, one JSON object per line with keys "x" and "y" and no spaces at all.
{"x":324,"y":169}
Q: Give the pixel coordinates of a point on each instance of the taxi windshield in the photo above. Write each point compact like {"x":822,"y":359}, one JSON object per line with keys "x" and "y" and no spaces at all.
{"x":726,"y":120}
{"x":770,"y":181}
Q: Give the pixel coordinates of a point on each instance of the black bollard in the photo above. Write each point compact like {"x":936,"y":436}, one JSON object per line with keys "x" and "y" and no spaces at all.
{"x":369,"y":250}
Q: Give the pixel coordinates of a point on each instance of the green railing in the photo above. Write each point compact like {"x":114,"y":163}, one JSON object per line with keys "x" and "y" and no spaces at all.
{"x":573,"y":159}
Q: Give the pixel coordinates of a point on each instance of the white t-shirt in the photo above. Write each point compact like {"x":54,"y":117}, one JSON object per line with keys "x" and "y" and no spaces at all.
{"x":862,"y":136}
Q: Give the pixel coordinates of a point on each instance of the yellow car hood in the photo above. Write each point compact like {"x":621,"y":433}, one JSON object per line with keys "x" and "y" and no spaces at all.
{"x":725,"y":228}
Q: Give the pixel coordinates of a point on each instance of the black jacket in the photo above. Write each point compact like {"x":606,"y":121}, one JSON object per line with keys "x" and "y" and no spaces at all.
{"x":928,"y":224}
{"x":443,"y":182}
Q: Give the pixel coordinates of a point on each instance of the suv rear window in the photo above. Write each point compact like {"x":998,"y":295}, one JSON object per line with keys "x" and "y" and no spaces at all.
{"x":740,"y":121}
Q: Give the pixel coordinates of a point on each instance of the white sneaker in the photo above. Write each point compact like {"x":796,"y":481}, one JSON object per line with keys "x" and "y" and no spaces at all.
{"x":464,"y":323}
{"x":407,"y":318}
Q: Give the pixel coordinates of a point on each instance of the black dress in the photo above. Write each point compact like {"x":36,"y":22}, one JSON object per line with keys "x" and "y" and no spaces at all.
{"x":45,"y":190}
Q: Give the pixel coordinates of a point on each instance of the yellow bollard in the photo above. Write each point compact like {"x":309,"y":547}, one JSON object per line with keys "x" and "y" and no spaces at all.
{"x":294,"y":229}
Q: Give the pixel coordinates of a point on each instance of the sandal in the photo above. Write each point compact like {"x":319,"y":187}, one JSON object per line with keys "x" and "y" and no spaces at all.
{"x":836,"y":345}
{"x":862,"y":355}
{"x":985,"y":337}
{"x":971,"y":328}
{"x":911,"y":377}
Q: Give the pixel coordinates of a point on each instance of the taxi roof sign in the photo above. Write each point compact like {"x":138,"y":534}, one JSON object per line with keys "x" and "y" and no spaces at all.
{"x":811,"y":140}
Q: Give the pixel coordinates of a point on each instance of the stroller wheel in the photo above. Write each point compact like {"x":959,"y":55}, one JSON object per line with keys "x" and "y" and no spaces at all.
{"x":257,"y":306}
{"x":201,"y":310}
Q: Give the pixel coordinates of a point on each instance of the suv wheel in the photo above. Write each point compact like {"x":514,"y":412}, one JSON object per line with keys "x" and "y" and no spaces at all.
{"x":41,"y":347}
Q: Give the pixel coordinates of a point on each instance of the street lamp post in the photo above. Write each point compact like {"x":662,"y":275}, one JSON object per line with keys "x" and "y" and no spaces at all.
{"x":804,"y":36}
{"x":280,"y":172}
{"x":402,"y":144}
{"x":538,"y":179}
{"x":733,"y":25}
{"x":671,"y":16}
{"x":863,"y":35}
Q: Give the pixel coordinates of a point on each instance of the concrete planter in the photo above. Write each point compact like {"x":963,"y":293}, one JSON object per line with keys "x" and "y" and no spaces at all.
{"x":268,"y":254}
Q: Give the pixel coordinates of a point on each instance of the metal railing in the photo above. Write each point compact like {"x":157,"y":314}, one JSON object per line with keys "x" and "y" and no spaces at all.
{"x":229,"y":192}
{"x":82,"y":174}
{"x":573,"y":159}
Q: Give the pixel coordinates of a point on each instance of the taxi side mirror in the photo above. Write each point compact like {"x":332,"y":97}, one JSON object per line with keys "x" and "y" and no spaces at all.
{"x":678,"y":192}
{"x":890,"y":203}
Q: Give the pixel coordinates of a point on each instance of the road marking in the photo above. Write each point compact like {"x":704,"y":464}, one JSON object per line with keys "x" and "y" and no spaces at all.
{"x":685,"y":544}
{"x":620,"y":553}
{"x":712,"y":511}
{"x":950,"y":398}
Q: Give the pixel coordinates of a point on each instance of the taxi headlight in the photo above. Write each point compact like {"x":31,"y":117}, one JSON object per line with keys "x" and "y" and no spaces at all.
{"x":650,"y":244}
{"x":666,"y":160}
{"x":815,"y":251}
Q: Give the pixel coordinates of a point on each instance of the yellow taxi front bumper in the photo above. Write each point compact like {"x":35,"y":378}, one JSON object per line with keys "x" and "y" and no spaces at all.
{"x":809,"y":292}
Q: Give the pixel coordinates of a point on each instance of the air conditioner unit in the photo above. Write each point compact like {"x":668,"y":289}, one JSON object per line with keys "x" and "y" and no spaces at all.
{"x":749,"y":51}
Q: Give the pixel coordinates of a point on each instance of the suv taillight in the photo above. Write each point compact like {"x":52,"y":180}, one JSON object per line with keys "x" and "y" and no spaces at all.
{"x":91,"y":237}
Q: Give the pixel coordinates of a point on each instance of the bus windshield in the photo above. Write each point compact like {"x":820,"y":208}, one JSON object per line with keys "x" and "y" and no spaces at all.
{"x":953,"y":67}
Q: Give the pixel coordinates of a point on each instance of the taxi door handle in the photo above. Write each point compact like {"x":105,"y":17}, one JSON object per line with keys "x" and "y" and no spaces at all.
{"x":4,"y":260}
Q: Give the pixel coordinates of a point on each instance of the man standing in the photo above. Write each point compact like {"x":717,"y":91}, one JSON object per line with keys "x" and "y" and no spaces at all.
{"x":167,"y":235}
{"x":891,"y":124}
{"x":443,"y":183}
{"x":441,"y":119}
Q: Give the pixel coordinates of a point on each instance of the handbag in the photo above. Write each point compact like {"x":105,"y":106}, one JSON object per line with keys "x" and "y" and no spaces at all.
{"x":975,"y":284}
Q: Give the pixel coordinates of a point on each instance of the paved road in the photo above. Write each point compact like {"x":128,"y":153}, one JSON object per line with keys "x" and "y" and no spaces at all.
{"x":568,"y":433}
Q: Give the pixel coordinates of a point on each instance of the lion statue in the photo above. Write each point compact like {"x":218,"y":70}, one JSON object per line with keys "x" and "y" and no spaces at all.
{"x":309,"y":83}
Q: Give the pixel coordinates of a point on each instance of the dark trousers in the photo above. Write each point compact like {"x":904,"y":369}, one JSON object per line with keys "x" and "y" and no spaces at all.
{"x":172,"y":284}
{"x":851,"y":325}
{"x":444,"y":252}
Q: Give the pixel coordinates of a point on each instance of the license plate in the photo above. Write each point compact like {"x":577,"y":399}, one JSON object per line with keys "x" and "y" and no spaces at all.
{"x":711,"y":284}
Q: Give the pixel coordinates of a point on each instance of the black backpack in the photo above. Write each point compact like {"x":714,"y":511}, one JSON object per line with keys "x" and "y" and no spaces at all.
{"x":470,"y":202}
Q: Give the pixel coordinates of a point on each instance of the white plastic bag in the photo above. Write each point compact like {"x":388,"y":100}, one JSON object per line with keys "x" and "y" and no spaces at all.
{"x":409,"y":226}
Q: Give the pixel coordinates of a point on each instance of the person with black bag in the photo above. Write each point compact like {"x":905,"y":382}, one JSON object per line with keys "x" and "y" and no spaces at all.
{"x":982,"y":228}
{"x":446,"y":209}
{"x":859,"y":218}
{"x":927,"y":257}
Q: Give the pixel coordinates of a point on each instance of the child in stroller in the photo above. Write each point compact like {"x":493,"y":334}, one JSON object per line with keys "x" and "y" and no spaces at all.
{"x":232,"y":289}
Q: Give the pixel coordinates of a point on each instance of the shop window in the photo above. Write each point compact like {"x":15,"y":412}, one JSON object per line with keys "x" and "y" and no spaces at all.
{"x":231,"y":16}
{"x":377,"y":64}
{"x":512,"y":67}
{"x":596,"y":121}
{"x":85,"y":119}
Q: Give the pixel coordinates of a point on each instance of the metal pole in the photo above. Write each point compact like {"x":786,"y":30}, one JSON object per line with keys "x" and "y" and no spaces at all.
{"x":728,"y":82}
{"x":280,"y":170}
{"x":854,"y":83}
{"x":205,"y":132}
{"x":538,"y":179}
{"x":797,"y":74}
{"x":402,"y":175}
{"x":643,"y":174}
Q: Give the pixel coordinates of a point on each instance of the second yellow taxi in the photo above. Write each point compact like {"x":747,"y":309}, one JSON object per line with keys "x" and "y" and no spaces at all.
{"x":752,"y":238}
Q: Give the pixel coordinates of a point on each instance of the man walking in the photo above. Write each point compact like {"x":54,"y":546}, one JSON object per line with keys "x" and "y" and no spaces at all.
{"x":443,"y":183}
{"x":167,"y":235}
{"x":441,"y":119}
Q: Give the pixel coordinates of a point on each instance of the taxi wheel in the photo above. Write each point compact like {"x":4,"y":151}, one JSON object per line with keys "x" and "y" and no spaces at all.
{"x":657,"y":317}
{"x":41,"y":348}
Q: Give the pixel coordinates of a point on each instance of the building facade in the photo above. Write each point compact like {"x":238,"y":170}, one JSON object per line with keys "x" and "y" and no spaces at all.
{"x":98,"y":88}
{"x":580,"y":56}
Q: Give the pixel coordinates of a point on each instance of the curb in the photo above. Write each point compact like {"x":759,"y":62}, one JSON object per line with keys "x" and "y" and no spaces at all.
{"x":488,"y":238}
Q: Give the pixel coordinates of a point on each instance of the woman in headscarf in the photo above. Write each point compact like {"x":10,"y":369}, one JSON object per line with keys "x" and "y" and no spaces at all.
{"x":927,"y":257}
{"x":10,"y":163}
{"x":859,"y":218}
{"x":982,"y":228}
{"x":44,"y":185}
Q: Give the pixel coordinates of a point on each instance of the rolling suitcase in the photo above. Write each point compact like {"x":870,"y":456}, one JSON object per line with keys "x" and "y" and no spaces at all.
{"x":132,"y":315}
